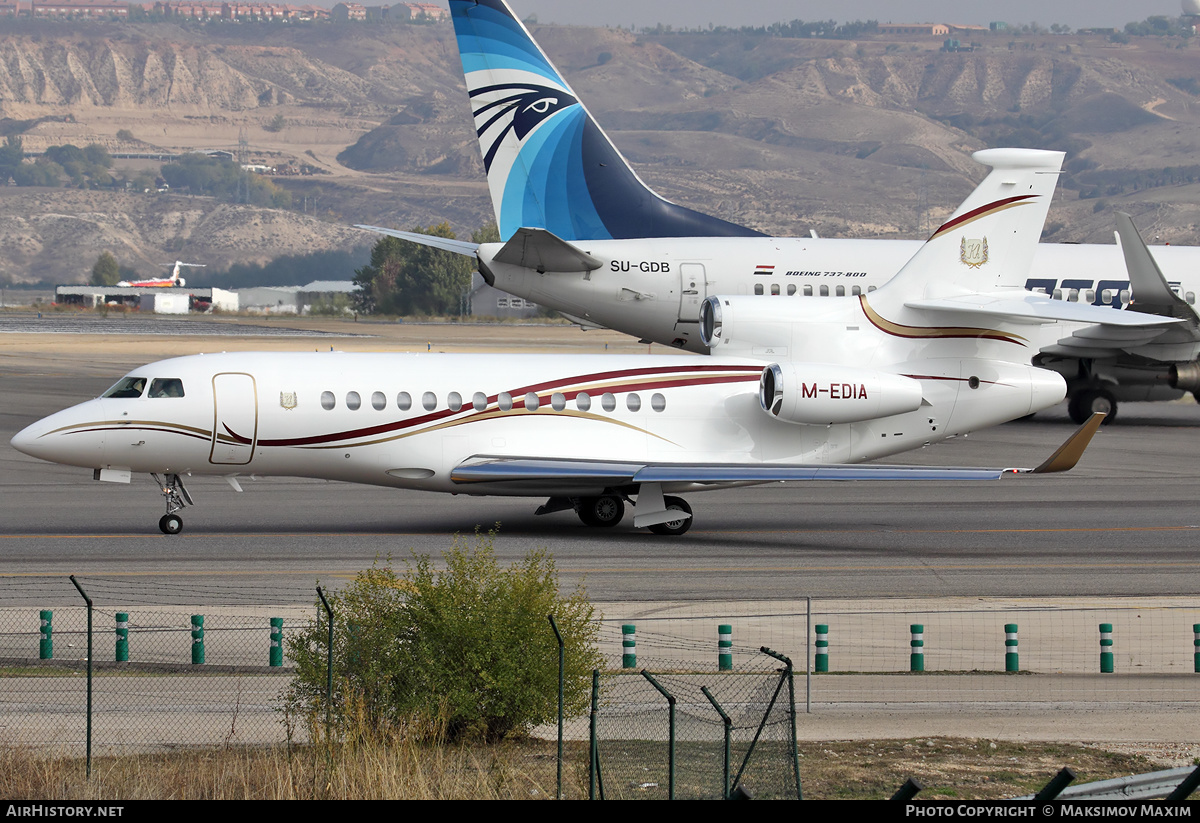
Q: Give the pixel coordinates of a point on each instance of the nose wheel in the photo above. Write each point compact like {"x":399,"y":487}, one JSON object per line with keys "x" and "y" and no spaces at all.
{"x":176,"y":495}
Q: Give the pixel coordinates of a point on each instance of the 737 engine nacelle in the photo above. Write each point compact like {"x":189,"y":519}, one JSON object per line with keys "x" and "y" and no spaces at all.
{"x":823,"y":394}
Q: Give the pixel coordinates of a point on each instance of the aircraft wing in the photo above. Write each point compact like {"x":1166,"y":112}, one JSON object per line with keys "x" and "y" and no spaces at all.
{"x":1109,"y":332}
{"x":567,"y":473}
{"x":1036,"y":308}
{"x":443,"y":243}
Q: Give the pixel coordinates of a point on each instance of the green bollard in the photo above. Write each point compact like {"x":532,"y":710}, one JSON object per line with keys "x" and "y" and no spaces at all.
{"x":122,"y":637}
{"x":916,"y":656}
{"x":725,"y":647}
{"x":1106,"y":646}
{"x":628,"y":646}
{"x":276,"y":641}
{"x":197,"y":639}
{"x":821,"y":662}
{"x":46,"y":628}
{"x":1011,"y":661}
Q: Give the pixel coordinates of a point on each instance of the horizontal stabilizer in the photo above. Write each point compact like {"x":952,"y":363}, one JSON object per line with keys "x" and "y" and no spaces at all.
{"x":542,"y":251}
{"x":443,"y":243}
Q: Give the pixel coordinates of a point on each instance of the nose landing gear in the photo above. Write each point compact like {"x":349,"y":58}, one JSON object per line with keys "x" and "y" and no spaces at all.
{"x":177,"y":498}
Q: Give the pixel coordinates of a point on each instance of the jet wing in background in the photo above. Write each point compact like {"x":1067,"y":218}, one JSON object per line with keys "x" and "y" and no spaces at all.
{"x":444,"y":243}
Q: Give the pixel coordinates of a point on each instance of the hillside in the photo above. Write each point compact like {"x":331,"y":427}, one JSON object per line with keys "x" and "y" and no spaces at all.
{"x":863,"y":138}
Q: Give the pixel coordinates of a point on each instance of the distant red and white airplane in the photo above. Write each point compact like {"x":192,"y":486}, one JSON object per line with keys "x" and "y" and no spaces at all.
{"x":162,"y":282}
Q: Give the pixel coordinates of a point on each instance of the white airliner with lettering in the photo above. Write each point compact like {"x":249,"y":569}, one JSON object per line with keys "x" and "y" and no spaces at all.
{"x":801,"y":395}
{"x":586,"y":237}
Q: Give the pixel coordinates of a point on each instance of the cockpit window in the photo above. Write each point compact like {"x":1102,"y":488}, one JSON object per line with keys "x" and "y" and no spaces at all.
{"x":166,"y":387}
{"x":127,"y":387}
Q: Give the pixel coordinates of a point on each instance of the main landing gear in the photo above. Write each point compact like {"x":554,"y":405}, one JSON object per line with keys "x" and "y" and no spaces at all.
{"x":177,"y":497}
{"x":659,"y":514}
{"x":1086,"y":402}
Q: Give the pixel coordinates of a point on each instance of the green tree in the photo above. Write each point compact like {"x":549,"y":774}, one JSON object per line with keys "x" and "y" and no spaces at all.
{"x":106,"y":272}
{"x":466,"y":651}
{"x":11,"y":155}
{"x":409,"y":278}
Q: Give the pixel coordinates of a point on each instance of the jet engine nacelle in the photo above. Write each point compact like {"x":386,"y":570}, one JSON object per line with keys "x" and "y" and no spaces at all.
{"x":822,"y":394}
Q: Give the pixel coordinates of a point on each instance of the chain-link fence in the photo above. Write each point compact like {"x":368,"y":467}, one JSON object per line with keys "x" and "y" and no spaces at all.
{"x":194,"y":666}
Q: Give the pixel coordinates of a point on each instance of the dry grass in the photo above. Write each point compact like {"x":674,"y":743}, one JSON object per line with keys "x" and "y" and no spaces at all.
{"x":377,"y":770}
{"x":404,"y":769}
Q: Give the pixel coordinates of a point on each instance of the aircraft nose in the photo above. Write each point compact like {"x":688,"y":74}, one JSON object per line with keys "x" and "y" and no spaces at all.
{"x":64,"y":437}
{"x":25,"y":441}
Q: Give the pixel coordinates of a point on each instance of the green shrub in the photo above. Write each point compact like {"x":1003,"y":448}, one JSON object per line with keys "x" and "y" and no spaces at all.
{"x":467,"y":651}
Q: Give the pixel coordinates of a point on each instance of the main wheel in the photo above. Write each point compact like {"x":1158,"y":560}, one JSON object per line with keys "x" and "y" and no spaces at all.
{"x":604,"y":511}
{"x":674,"y":527}
{"x":170,"y":524}
{"x":1090,"y":401}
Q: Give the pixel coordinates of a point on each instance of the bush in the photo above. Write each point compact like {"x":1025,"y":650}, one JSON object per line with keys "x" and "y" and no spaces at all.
{"x":467,"y":651}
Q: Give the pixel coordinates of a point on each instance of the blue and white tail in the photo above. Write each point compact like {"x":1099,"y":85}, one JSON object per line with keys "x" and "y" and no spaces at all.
{"x":548,"y":164}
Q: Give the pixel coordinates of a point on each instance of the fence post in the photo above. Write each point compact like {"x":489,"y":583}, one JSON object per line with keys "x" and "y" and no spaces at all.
{"x":628,"y":646}
{"x":1012,"y":662}
{"x":728,"y":722}
{"x":46,"y":629}
{"x":1196,"y":646}
{"x":328,"y":667}
{"x":87,"y":600}
{"x":595,"y":777}
{"x":916,"y":657}
{"x":1106,"y":648}
{"x":822,"y":659}
{"x":197,"y":639}
{"x":122,"y":650}
{"x":275,"y":657}
{"x":558,"y":793}
{"x":670,"y":733}
{"x":725,"y":647}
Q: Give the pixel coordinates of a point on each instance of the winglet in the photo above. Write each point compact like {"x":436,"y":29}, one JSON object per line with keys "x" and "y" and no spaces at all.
{"x":1068,"y":454}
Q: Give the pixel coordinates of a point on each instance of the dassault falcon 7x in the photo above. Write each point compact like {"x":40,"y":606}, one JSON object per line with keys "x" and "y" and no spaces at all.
{"x":933,"y":353}
{"x":586,"y":237}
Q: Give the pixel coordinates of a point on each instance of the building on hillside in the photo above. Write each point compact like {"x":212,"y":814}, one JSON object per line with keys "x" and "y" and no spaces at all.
{"x":78,"y":8}
{"x":226,"y":10}
{"x":933,"y":29}
{"x":416,"y":11}
{"x":348,"y":11}
{"x":11,"y":8}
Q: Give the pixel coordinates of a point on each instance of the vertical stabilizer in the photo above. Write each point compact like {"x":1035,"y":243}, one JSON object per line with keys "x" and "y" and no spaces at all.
{"x":548,"y":164}
{"x":989,"y":242}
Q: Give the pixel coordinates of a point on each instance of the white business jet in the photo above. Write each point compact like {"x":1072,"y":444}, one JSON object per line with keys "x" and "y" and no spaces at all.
{"x":808,"y":393}
{"x":586,"y":237}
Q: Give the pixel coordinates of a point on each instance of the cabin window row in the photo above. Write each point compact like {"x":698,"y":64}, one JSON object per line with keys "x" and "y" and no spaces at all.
{"x":1107,"y":296}
{"x":809,"y":291}
{"x":505,"y":401}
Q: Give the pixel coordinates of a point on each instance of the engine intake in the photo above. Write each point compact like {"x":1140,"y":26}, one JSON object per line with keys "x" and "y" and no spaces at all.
{"x":823,"y":394}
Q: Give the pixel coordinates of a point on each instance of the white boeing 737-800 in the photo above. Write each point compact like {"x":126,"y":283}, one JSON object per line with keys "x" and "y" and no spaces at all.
{"x":803,"y":395}
{"x":586,"y":237}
